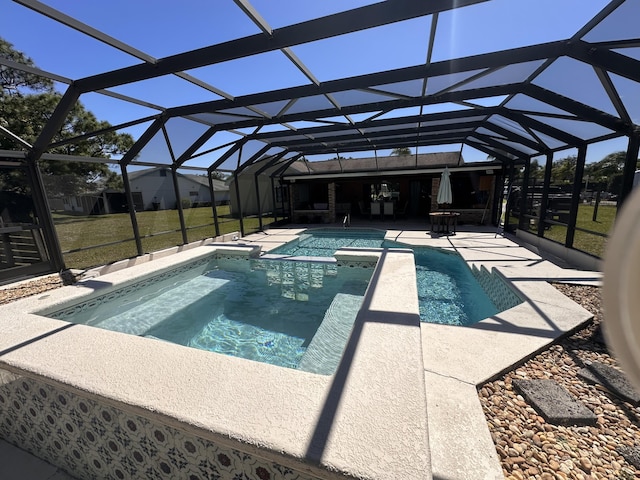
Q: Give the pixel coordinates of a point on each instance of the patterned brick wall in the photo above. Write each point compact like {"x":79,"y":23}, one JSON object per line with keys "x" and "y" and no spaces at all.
{"x":90,"y":440}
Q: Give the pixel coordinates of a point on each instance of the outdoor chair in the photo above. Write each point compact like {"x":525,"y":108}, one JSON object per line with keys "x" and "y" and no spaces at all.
{"x":402,"y":211}
{"x":375,"y":210}
{"x":389,"y":210}
{"x":362,"y":210}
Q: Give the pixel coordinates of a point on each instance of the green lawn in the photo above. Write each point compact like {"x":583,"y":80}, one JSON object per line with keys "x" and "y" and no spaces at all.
{"x":587,"y":242}
{"x":584,"y":241}
{"x":159,"y":229}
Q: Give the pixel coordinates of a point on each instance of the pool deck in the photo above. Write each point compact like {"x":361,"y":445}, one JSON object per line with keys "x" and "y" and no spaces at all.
{"x":376,"y":417}
{"x":458,"y":359}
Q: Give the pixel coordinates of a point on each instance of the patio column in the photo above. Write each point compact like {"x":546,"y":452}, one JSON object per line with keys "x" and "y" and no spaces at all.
{"x":575,"y":195}
{"x":435,"y":186}
{"x":332,"y":201}
{"x":132,"y":209}
{"x":293,"y":198}
{"x":629,"y":168}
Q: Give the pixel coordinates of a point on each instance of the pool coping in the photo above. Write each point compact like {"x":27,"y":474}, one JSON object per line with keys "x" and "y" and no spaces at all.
{"x":368,"y":420}
{"x":456,"y":359}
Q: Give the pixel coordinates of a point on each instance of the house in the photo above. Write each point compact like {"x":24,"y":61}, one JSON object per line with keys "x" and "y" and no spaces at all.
{"x":153,"y":189}
{"x":96,"y":203}
{"x":325,"y":191}
{"x":249,"y":186}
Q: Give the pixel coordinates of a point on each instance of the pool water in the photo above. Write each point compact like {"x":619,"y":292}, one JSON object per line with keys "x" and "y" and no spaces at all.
{"x":325,"y":242}
{"x":265,"y":310}
{"x":448,"y":293}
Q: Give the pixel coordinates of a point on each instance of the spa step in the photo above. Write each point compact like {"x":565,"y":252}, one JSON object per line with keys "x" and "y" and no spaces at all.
{"x":554,"y":402}
{"x":309,"y":272}
{"x":325,"y":350}
{"x":613,"y":380}
{"x":134,"y":318}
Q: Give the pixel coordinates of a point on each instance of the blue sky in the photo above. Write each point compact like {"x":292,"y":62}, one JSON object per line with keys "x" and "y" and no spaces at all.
{"x":161,"y":28}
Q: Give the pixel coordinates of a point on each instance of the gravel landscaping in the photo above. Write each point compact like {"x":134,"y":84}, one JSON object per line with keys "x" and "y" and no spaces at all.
{"x":27,"y":288}
{"x":530,"y":448}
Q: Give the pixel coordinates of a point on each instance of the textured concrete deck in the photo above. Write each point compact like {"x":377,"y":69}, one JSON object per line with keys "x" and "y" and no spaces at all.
{"x":454,"y":360}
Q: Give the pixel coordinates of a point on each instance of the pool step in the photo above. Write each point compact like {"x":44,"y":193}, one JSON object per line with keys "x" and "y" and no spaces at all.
{"x":137,"y":319}
{"x":325,"y":350}
{"x":500,"y":293}
{"x":298,"y":276}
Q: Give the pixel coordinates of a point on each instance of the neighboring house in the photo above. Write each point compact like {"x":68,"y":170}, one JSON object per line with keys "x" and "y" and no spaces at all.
{"x":152,"y":189}
{"x":247,"y":193}
{"x":98,"y":203}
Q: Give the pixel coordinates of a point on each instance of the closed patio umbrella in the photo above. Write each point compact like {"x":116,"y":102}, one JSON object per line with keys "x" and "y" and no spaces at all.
{"x":444,"y":191}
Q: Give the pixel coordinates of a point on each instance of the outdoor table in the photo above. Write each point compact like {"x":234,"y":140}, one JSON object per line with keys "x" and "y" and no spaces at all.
{"x":444,"y":222}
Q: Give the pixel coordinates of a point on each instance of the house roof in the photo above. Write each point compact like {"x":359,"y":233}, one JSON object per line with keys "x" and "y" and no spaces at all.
{"x":218,"y":185}
{"x":414,"y":162}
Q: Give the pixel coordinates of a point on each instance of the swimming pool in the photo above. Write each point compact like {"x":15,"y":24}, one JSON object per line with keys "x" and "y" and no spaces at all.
{"x":448,"y":291}
{"x":288,"y":313}
{"x":132,"y":392}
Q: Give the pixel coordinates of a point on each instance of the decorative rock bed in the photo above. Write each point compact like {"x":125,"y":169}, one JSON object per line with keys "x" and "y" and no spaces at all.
{"x":531,"y":448}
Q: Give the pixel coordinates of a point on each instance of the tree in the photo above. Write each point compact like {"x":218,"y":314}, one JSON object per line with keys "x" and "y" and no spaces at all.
{"x":563,"y":170}
{"x":15,"y":81}
{"x":401,"y":151}
{"x":608,"y":171}
{"x":26,"y":104}
{"x":536,"y":171}
{"x":216,"y":175}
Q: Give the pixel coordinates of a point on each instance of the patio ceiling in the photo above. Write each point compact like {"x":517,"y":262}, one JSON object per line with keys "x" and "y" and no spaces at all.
{"x":510,"y":104}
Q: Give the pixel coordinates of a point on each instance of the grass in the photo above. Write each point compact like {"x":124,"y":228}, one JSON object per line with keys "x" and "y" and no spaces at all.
{"x":584,"y":241}
{"x":159,"y":229}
